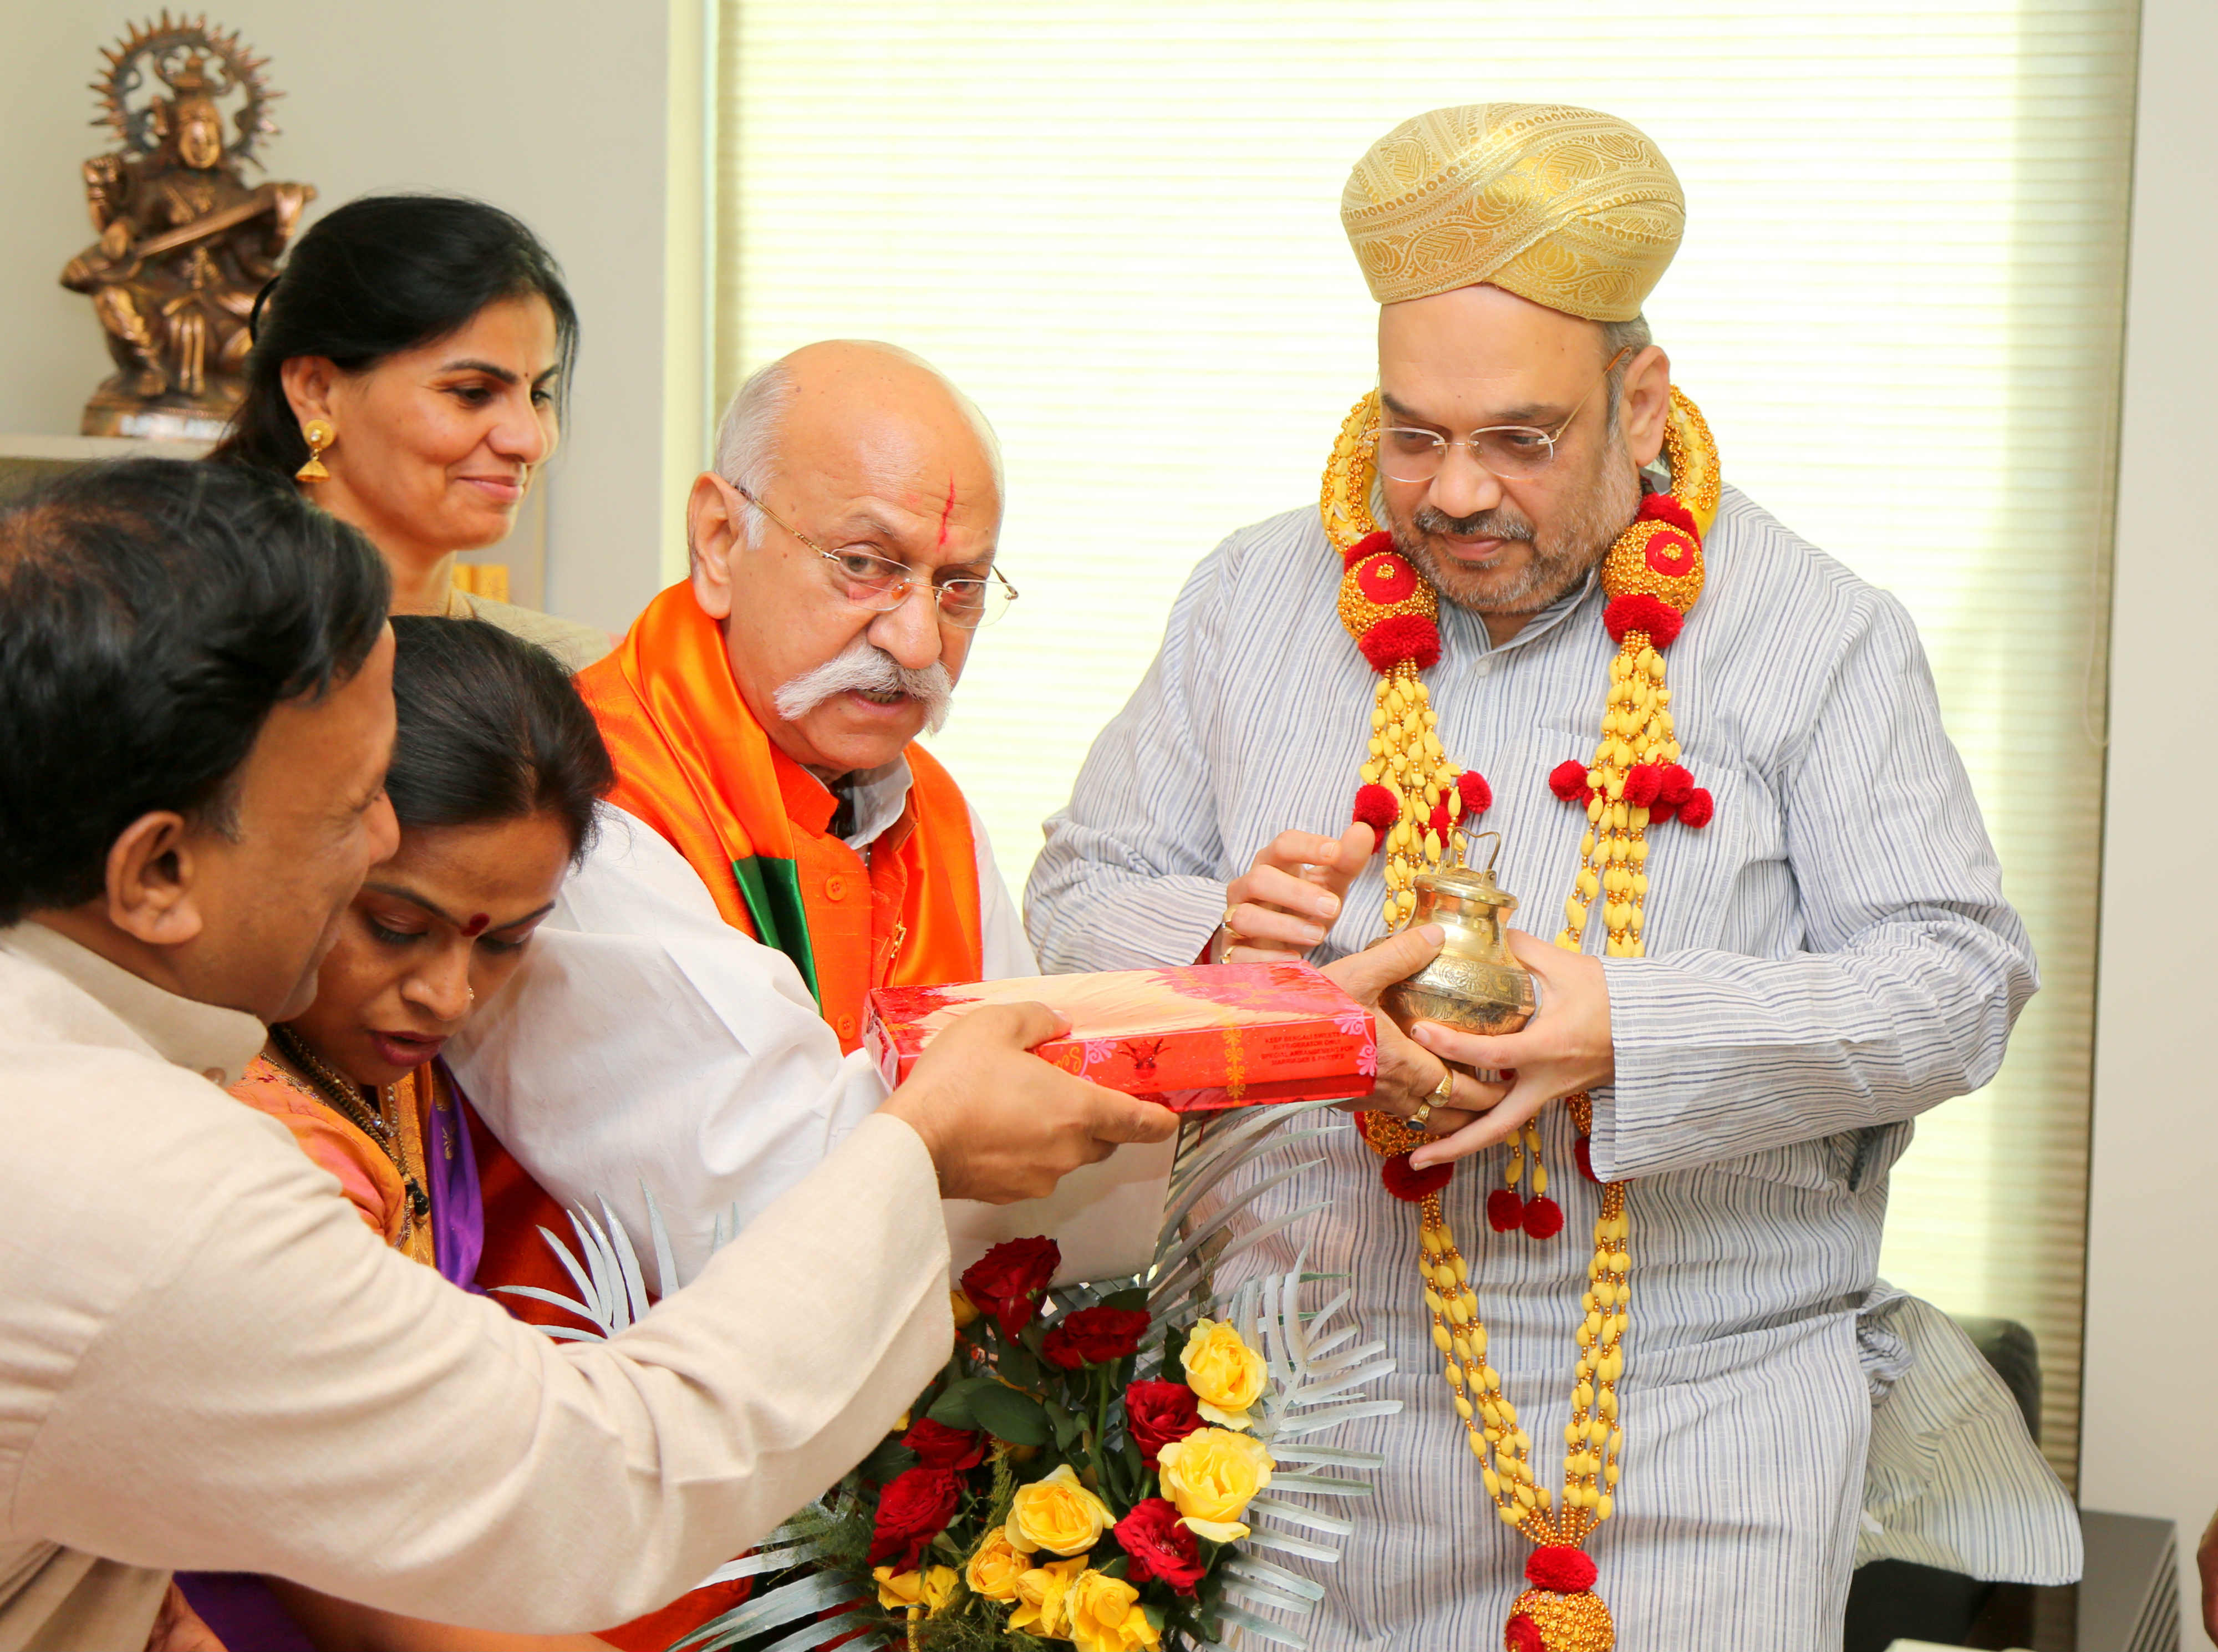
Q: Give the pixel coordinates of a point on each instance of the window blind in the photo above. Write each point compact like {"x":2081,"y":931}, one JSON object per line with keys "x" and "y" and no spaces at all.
{"x":1898,"y":303}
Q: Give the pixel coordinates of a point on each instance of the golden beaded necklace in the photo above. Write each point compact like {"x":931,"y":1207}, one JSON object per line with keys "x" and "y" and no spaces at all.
{"x":1418,"y":801}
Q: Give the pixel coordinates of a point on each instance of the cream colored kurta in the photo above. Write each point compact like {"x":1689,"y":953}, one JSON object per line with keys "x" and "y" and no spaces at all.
{"x":206,"y":1361}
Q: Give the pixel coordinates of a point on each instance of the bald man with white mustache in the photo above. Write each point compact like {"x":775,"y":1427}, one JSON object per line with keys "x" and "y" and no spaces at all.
{"x":776,"y":844}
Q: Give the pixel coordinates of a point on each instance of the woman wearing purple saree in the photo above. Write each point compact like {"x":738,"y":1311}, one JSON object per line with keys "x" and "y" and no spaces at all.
{"x":496,"y":767}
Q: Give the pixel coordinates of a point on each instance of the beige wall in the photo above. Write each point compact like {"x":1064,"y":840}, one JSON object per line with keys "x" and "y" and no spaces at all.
{"x":2150,"y":1444}
{"x":556,"y":109}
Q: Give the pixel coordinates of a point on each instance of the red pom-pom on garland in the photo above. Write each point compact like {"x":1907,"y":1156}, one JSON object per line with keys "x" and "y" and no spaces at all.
{"x":1409,"y":1184}
{"x":1662,"y":507}
{"x":1638,"y":612}
{"x":1677,"y":785}
{"x":1385,"y":580}
{"x":1477,"y":795}
{"x":1583,"y":1152}
{"x":1544,"y":1217}
{"x":1522,"y":1634}
{"x":1560,"y":1569}
{"x":1568,"y":780}
{"x":1376,"y":808}
{"x":1642,"y":782}
{"x":1505,"y":1211}
{"x":1400,"y":637}
{"x":1370,"y":545}
{"x":1697,"y":808}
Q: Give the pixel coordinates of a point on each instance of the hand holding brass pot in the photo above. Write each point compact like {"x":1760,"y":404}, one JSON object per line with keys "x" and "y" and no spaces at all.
{"x":1474,"y":985}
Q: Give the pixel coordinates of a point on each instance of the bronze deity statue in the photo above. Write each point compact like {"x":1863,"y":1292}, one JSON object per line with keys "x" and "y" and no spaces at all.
{"x":184,"y":244}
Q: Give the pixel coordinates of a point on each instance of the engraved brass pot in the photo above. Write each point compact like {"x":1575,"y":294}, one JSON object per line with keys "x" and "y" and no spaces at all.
{"x":1474,"y":985}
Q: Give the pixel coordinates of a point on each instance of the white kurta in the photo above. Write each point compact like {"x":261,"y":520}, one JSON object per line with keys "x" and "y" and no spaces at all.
{"x":646,"y":1048}
{"x":1832,"y":955}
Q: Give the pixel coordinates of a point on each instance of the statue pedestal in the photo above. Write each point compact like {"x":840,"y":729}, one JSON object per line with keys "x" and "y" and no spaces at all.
{"x":171,"y":419}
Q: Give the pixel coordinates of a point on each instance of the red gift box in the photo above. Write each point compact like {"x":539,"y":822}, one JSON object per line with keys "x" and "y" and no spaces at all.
{"x":1195,"y":1038}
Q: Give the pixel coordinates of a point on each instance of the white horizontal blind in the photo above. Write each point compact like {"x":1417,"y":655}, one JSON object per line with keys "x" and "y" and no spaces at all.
{"x":1898,"y":303}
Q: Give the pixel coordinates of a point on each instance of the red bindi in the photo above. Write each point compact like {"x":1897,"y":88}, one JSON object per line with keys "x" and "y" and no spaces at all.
{"x":476,"y":925}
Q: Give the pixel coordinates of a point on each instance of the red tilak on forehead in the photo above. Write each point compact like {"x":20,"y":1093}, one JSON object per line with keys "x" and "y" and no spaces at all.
{"x":946,"y":511}
{"x":476,"y":925}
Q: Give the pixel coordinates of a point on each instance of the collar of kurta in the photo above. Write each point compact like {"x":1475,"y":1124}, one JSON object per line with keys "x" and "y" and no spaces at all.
{"x":694,"y":763}
{"x":215,"y":1042}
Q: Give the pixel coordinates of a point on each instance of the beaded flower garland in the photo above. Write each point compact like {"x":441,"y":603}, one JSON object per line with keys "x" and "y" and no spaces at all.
{"x":1416,"y":799}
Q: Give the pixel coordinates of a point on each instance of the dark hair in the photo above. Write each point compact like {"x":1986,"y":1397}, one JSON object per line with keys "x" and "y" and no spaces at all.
{"x":490,"y":728}
{"x":379,"y":274}
{"x":152,"y":613}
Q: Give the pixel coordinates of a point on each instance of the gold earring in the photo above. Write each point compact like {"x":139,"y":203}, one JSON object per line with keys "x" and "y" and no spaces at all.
{"x":318,"y":435}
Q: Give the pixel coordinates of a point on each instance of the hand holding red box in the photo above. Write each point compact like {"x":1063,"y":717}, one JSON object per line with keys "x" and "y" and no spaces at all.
{"x":1195,"y":1038}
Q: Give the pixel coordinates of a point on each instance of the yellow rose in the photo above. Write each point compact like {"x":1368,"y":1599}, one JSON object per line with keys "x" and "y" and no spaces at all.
{"x":1212,"y":1474}
{"x":1225,"y":1373}
{"x":1104,"y":1616}
{"x":994,"y":1569}
{"x":931,"y":1590}
{"x":1057,"y":1513}
{"x":1043,"y":1597}
{"x":964,"y":1310}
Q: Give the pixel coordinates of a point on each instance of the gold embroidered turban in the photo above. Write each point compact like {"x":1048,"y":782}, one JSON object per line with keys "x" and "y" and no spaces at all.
{"x":1566,"y":207}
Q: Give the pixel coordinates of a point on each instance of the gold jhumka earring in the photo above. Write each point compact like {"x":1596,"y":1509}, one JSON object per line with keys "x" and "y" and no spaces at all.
{"x":318,"y":435}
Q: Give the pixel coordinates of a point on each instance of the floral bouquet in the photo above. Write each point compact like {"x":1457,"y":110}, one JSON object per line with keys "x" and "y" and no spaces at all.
{"x":1099,"y":1468}
{"x":1090,"y":1469}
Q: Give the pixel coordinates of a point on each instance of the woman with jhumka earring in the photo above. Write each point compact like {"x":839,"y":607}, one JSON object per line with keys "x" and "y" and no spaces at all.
{"x":409,"y":368}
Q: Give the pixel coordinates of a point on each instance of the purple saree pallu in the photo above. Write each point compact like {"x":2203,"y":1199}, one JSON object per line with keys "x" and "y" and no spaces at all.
{"x":238,"y":1606}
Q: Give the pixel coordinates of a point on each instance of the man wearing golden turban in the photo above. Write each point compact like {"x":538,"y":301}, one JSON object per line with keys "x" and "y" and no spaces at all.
{"x":1657,"y":1394}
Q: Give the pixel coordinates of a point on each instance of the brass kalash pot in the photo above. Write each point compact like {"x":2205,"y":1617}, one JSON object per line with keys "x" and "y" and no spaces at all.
{"x":1474,"y":985}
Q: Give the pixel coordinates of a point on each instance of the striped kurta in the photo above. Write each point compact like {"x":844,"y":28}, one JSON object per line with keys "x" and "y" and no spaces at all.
{"x":1831,"y":956}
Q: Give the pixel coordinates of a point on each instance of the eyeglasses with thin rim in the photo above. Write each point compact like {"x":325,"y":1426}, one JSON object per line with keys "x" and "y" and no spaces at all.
{"x":880,"y":585}
{"x":1511,"y":452}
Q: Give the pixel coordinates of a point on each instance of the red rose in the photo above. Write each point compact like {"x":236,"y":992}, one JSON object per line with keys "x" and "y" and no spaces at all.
{"x":1505,"y":1211}
{"x":1568,"y":780}
{"x":912,"y":1511}
{"x":1560,"y":1569}
{"x":938,"y":1446}
{"x":1007,"y":1282}
{"x":1159,"y":1547}
{"x":1095,"y":1336}
{"x":1155,"y":1414}
{"x":1410,"y":1184}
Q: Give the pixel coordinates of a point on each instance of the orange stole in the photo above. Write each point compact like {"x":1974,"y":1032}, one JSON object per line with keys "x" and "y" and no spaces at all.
{"x":694,"y":763}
